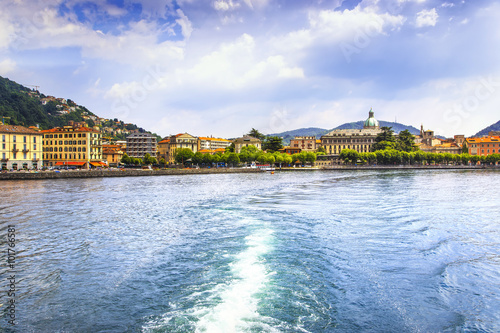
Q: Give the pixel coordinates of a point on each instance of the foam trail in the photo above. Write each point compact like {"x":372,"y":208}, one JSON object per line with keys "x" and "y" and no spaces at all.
{"x":238,"y":302}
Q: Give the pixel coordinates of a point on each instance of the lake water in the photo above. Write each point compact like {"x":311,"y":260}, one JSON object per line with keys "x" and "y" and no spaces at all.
{"x":312,"y":251}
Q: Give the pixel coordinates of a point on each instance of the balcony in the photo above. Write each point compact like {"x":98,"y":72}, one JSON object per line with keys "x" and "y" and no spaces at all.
{"x":15,"y":150}
{"x":26,"y":151}
{"x":35,"y":160}
{"x":3,"y":160}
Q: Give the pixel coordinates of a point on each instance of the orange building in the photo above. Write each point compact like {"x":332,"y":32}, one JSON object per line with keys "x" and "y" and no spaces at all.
{"x":112,"y":154}
{"x":483,"y":146}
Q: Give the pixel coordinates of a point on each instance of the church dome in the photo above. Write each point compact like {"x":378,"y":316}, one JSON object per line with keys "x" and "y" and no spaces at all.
{"x":371,"y":122}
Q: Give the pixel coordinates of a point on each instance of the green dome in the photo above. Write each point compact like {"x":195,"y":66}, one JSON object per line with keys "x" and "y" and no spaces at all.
{"x":371,"y":122}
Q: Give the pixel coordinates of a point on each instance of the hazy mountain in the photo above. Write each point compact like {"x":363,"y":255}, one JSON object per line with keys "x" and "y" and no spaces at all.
{"x":494,"y":127}
{"x":318,"y":132}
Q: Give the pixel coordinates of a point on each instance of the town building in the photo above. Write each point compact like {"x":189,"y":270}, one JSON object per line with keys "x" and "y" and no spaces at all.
{"x":210,"y":143}
{"x":140,"y":144}
{"x":21,"y":148}
{"x":181,"y":140}
{"x":72,"y":145}
{"x":246,"y":141}
{"x":360,"y":140}
{"x":483,"y":146}
{"x":112,"y":154}
{"x":429,"y":143}
{"x":163,"y":149}
{"x":304,"y":143}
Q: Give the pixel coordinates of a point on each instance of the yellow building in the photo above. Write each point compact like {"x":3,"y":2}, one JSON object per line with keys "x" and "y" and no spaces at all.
{"x":182,"y":140}
{"x":21,"y":148}
{"x":245,"y":142}
{"x":112,"y":154}
{"x":72,"y":145}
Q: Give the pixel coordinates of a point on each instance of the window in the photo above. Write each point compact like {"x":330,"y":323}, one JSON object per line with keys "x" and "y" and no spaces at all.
{"x":14,"y":156}
{"x":34,"y":156}
{"x":14,"y":138}
{"x":3,"y":138}
{"x":34,"y":147}
{"x":24,"y":156}
{"x":24,"y":139}
{"x":3,"y":145}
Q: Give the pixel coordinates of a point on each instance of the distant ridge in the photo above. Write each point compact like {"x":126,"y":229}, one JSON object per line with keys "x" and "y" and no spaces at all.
{"x":318,"y":132}
{"x":485,"y":131}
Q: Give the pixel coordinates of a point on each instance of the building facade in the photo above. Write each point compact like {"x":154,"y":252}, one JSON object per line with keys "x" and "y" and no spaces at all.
{"x":360,"y":140}
{"x":72,"y":145}
{"x":140,"y":144}
{"x":206,"y":143}
{"x":112,"y":154}
{"x":483,"y":146}
{"x":304,"y":143}
{"x":181,"y":140}
{"x":21,"y":148}
{"x":246,"y":141}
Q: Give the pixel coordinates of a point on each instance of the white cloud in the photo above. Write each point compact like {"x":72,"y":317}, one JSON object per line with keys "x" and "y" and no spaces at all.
{"x":224,"y":5}
{"x":328,"y":26}
{"x":7,"y":66}
{"x":186,"y":26}
{"x":426,"y":18}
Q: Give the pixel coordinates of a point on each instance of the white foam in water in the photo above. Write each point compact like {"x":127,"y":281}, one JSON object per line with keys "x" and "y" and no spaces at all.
{"x":238,"y":302}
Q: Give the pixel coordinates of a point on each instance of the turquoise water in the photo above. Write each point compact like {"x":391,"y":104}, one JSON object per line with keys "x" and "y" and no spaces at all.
{"x":338,"y":251}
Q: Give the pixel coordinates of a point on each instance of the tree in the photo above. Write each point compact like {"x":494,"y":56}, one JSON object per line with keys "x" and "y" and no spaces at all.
{"x":162,"y":161}
{"x":349,"y":156}
{"x":230,"y":148}
{"x":384,"y":140}
{"x":406,"y":141}
{"x":321,"y":149}
{"x":148,"y":159}
{"x":256,"y":134}
{"x":310,"y":157}
{"x":272,"y":143}
{"x":182,"y":155}
{"x":197,"y":158}
{"x":232,"y":158}
{"x":465,"y":149}
{"x":126,"y":159}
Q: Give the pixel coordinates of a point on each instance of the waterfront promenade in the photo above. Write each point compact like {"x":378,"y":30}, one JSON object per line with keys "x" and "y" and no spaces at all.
{"x":20,"y":175}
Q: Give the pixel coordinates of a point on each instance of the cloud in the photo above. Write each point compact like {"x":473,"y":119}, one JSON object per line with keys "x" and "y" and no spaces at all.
{"x":426,"y":18}
{"x":7,"y":66}
{"x":223,"y":5}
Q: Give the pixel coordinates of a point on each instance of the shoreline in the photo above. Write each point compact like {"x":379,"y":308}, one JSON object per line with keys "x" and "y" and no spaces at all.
{"x":173,"y":172}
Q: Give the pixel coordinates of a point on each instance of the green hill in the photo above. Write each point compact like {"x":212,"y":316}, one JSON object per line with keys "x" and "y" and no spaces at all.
{"x":23,"y":106}
{"x":485,"y":131}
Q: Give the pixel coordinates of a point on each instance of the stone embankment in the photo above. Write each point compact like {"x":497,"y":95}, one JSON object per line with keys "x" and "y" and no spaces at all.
{"x":19,"y":175}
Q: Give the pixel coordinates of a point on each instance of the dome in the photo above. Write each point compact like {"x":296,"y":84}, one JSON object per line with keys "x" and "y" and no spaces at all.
{"x":371,"y":122}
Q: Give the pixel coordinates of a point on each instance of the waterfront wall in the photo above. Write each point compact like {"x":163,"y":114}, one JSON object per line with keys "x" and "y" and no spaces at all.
{"x":116,"y":173}
{"x":140,"y":173}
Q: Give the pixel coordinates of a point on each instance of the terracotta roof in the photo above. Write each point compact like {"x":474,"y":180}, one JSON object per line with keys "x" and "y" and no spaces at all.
{"x":16,"y":129}
{"x":164,"y":141}
{"x":213,"y":139}
{"x":62,"y":129}
{"x":489,"y":139}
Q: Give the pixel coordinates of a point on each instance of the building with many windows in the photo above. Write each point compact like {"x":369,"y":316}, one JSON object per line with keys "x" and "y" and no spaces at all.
{"x":21,"y":148}
{"x":181,"y":140}
{"x":360,"y":140}
{"x":140,"y":144}
{"x":483,"y":146}
{"x":72,"y":146}
{"x":206,"y":143}
{"x":246,"y":141}
{"x":304,"y":143}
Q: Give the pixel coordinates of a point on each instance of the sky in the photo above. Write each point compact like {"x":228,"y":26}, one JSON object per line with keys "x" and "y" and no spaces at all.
{"x":223,"y":67}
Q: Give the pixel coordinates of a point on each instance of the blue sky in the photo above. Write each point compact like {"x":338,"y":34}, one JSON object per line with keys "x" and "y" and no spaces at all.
{"x":221,"y":67}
